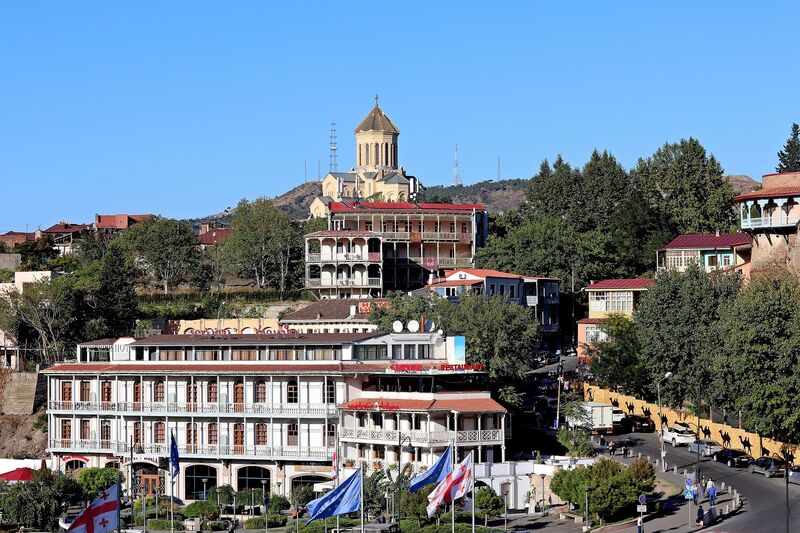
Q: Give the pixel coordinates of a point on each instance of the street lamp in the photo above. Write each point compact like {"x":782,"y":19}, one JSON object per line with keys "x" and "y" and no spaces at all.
{"x":400,"y":440}
{"x":205,"y":480}
{"x":265,"y":501}
{"x":660,"y":422}
{"x":543,"y":476}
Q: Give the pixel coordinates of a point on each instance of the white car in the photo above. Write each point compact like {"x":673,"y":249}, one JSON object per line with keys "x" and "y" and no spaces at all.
{"x":706,"y":448}
{"x":678,"y":436}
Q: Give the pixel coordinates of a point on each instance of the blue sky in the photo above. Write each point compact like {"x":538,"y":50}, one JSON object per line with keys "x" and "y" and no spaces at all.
{"x":183,"y":108}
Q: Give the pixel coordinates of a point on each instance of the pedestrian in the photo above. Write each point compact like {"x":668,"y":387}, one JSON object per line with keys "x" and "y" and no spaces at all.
{"x":703,"y":484}
{"x":639,"y":525}
{"x":612,"y":447}
{"x":709,"y":484}
{"x":712,"y":495}
{"x":695,"y":492}
{"x":700,"y":515}
{"x":602,"y":440}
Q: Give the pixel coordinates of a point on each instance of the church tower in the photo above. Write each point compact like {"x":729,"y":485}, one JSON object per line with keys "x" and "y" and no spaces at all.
{"x":376,"y":142}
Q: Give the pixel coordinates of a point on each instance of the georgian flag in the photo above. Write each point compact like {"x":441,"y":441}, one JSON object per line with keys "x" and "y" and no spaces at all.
{"x":101,"y":516}
{"x":454,"y":486}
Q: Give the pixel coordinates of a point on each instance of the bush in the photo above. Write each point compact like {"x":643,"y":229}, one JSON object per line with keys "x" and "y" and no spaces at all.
{"x":278,"y":503}
{"x":257,"y":522}
{"x":164,"y":525}
{"x":214,"y":525}
{"x":202,"y":509}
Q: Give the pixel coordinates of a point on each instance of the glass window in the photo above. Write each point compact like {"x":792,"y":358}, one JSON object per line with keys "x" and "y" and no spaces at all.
{"x":158,"y":391}
{"x":511,"y":291}
{"x":371,"y":352}
{"x":595,"y":333}
{"x":159,"y":433}
{"x":261,"y":391}
{"x":85,"y":391}
{"x":397,"y":351}
{"x":331,"y":434}
{"x":409,"y":351}
{"x":330,"y":391}
{"x":212,"y":391}
{"x":377,"y":420}
{"x":291,"y":434}
{"x":213,"y":433}
{"x":261,"y":434}
{"x":105,"y":430}
{"x":194,"y":480}
{"x":86,"y":431}
{"x":424,"y":351}
{"x":292,"y":392}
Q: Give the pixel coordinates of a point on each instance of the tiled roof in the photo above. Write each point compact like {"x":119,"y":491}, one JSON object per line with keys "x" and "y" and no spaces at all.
{"x":100,"y":342}
{"x":65,"y":227}
{"x":591,"y":320}
{"x":377,"y":121}
{"x":402,"y":207}
{"x":456,"y":283}
{"x":620,"y":284}
{"x":213,"y":236}
{"x":120,"y":221}
{"x":326,"y":310}
{"x":343,"y":233}
{"x":248,"y":339}
{"x":772,"y":192}
{"x":708,"y":242}
{"x":461,"y":405}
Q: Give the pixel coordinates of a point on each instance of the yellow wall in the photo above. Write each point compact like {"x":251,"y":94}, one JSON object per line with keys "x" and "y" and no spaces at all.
{"x":736,"y":438}
{"x":236,"y":325}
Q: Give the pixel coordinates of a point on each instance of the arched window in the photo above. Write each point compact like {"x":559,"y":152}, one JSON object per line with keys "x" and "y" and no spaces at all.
{"x":250,"y":477}
{"x":137,"y":434}
{"x":238,"y":438}
{"x":261,"y":391}
{"x":366,"y":153}
{"x":330,"y":391}
{"x":261,"y":434}
{"x":377,"y":154}
{"x":359,"y":155}
{"x":292,"y":433}
{"x":212,"y":391}
{"x":158,"y":391}
{"x":386,"y":154}
{"x":238,"y":396}
{"x":330,"y":434}
{"x":292,"y":395}
{"x":194,"y":480}
{"x":191,"y":437}
{"x":213,"y":433}
{"x":73,"y":464}
{"x":159,"y":433}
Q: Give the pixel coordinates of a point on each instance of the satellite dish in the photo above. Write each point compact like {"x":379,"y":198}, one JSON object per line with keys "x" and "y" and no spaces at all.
{"x":397,"y":326}
{"x":413,"y":326}
{"x":429,"y":325}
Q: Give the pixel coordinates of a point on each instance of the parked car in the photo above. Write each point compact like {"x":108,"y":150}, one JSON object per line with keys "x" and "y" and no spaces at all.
{"x":677,"y":435}
{"x":707,"y":448}
{"x":737,"y":458}
{"x":768,"y":466}
{"x":639,"y":424}
{"x":794,"y":475}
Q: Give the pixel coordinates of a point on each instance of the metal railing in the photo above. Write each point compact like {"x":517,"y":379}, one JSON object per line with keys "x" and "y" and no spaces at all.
{"x":345,"y":282}
{"x":423,"y":438}
{"x":266,"y":409}
{"x":769,"y":222}
{"x":371,"y":257}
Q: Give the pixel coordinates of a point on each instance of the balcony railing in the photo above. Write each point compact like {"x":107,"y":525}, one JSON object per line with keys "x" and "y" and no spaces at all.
{"x":769,"y":222}
{"x":421,"y":438}
{"x":531,"y":301}
{"x":371,"y":257}
{"x":189,"y":408}
{"x":345,"y":282}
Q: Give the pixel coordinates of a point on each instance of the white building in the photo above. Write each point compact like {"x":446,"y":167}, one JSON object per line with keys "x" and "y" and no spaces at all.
{"x":252,"y":407}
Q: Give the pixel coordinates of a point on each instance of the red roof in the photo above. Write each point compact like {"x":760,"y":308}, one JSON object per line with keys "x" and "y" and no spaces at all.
{"x":402,"y":207}
{"x":461,"y":405}
{"x":591,"y":320}
{"x":456,"y":283}
{"x":66,"y":227}
{"x":708,"y":242}
{"x":772,"y":192}
{"x":213,"y":236}
{"x":635,"y":284}
{"x":491,"y":273}
{"x":117,"y":221}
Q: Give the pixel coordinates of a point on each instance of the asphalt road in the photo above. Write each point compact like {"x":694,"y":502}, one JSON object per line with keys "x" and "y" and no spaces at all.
{"x":764,"y":500}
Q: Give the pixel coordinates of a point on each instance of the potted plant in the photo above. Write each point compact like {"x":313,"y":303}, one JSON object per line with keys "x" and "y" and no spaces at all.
{"x":348,"y":463}
{"x":423,"y":468}
{"x":409,"y":469}
{"x":377,"y":465}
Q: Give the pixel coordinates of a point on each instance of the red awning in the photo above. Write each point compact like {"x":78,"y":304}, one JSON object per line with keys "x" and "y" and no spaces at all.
{"x":19,"y":474}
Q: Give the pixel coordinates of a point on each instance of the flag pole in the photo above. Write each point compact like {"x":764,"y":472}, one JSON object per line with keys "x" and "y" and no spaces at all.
{"x":119,"y":500}
{"x":361,"y":474}
{"x":171,"y":500}
{"x":472,"y":475}
{"x":338,"y":460}
{"x":453,"y":502}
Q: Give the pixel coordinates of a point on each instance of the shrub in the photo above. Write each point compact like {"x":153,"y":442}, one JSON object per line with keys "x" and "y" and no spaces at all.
{"x":163,"y":525}
{"x":257,"y":522}
{"x":278,"y":503}
{"x":643,"y":473}
{"x":202,"y":509}
{"x":214,"y":525}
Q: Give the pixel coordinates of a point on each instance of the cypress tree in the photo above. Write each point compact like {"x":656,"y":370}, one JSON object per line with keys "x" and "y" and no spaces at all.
{"x":789,"y":157}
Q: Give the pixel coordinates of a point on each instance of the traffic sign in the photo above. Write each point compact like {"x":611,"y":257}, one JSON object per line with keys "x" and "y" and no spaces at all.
{"x":688,"y":494}
{"x":641,"y":508}
{"x":642,"y":499}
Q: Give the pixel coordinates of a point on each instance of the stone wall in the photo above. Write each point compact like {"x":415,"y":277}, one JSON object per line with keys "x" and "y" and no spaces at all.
{"x":10,"y":261}
{"x":723,"y":434}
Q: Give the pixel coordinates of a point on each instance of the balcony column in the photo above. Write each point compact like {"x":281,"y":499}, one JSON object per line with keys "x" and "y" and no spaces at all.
{"x":480,"y":438}
{"x":455,"y":435}
{"x":780,"y":202}
{"x":762,"y":204}
{"x":503,"y":432}
{"x":430,"y":441}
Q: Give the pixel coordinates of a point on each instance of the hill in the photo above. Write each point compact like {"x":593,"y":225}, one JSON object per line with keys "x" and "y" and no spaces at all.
{"x":742,"y":184}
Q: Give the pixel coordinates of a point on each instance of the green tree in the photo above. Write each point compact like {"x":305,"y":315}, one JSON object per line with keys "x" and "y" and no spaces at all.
{"x":688,"y":186}
{"x":264,"y":245}
{"x":94,"y":481}
{"x":416,"y":505}
{"x":789,"y":157}
{"x":759,"y":354}
{"x":488,"y":503}
{"x":676,"y":320}
{"x":302,"y":494}
{"x":40,"y":502}
{"x":116,"y":297}
{"x":165,"y":249}
{"x":617,"y":361}
{"x":36,"y":253}
{"x":6,"y":276}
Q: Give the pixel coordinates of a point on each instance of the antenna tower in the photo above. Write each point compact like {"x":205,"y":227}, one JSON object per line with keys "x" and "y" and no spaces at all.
{"x":333,"y":165}
{"x":305,"y":170}
{"x":498,"y":168}
{"x":456,"y":170}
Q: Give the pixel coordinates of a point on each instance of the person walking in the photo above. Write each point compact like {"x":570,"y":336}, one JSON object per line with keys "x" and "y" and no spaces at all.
{"x":712,"y":495}
{"x":639,"y":525}
{"x":709,"y":484}
{"x":695,"y":492}
{"x":700,"y":515}
{"x":703,"y":484}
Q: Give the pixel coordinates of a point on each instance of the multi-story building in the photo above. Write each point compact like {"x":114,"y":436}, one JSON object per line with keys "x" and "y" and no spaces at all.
{"x":371,"y":248}
{"x":334,"y":316}
{"x":116,"y":223}
{"x":377,"y":175}
{"x":729,"y":251}
{"x":771,"y":216}
{"x":539,"y":293}
{"x":247,"y":408}
{"x":608,"y":296}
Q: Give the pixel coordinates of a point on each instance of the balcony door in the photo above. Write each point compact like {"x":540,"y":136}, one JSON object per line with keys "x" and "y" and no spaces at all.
{"x":238,"y":439}
{"x":238,"y":396}
{"x":66,"y":394}
{"x":137,"y":396}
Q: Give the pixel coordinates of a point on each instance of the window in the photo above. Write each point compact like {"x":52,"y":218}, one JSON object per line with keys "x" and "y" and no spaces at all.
{"x":727,"y":260}
{"x":105,"y":431}
{"x":66,"y":432}
{"x":85,"y":391}
{"x":511,"y":291}
{"x":595,"y":333}
{"x":712,"y":260}
{"x":397,"y":351}
{"x":86,"y":429}
{"x":331,"y":434}
{"x":611,"y":301}
{"x":409,"y":351}
{"x":377,"y":420}
{"x":368,"y":226}
{"x":261,"y":391}
{"x":330,"y":391}
{"x":159,"y":433}
{"x":292,"y":393}
{"x":194,"y":480}
{"x":291,"y":435}
{"x":491,"y":289}
{"x":191,"y":437}
{"x":452,"y":227}
{"x":424,"y":351}
{"x":681,"y":259}
{"x":250,"y":477}
{"x":261,"y":434}
{"x":369,"y":352}
{"x":502,"y":289}
{"x":244,"y":355}
{"x":212,"y":392}
{"x":66,"y":391}
{"x":213,"y":433}
{"x":137,"y":434}
{"x":416,"y":423}
{"x":463,"y":227}
{"x":158,"y":391}
{"x":105,"y":391}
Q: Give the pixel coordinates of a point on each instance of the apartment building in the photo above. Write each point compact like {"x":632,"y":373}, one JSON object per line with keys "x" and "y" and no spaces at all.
{"x":607,"y":297}
{"x":371,"y":248}
{"x":251,"y":407}
{"x":728,"y":251}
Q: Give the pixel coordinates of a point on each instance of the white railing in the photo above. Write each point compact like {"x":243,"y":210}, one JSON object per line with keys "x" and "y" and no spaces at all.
{"x":344,"y":282}
{"x":266,"y":409}
{"x":319,"y":453}
{"x":349,"y":257}
{"x":769,"y":222}
{"x":390,"y":436}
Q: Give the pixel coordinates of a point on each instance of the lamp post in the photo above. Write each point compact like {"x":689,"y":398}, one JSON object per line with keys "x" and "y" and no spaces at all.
{"x":558,"y":401}
{"x":265,"y":501}
{"x":400,"y":440}
{"x":543,"y":476}
{"x":660,"y":424}
{"x":205,"y":480}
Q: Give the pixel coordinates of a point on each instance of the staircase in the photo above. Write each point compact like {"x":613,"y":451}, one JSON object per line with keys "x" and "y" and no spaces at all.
{"x":19,"y":396}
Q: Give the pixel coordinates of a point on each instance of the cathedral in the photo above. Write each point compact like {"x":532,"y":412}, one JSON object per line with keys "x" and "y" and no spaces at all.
{"x":377,"y":176}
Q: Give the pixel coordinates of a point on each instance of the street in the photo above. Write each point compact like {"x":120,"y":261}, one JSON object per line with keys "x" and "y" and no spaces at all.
{"x":764,"y":507}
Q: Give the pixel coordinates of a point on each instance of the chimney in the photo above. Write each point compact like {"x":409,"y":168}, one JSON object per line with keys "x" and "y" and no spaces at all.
{"x":204,"y":228}
{"x":352,"y":311}
{"x":717,"y":233}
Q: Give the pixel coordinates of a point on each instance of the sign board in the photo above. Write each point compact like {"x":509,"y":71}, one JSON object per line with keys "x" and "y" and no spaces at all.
{"x":689,"y":481}
{"x":459,"y":350}
{"x":641,"y":508}
{"x":688,"y":494}
{"x":642,"y":499}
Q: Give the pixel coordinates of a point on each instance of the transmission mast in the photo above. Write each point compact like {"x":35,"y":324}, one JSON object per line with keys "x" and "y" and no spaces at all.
{"x":498,"y":168}
{"x":333,"y":165}
{"x":456,"y":170}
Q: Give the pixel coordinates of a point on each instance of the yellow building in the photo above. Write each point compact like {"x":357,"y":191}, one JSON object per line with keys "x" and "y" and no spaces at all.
{"x":376,"y":176}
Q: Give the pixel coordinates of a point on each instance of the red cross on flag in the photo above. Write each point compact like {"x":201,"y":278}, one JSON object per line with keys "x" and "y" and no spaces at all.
{"x":454,"y":486}
{"x":101,"y":516}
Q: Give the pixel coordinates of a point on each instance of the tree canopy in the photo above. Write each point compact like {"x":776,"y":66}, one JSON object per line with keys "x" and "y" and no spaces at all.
{"x":789,"y":157}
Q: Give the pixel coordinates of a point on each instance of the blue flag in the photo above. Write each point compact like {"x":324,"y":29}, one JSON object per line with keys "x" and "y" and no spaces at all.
{"x":174,"y":457}
{"x":436,"y":473}
{"x":346,"y":498}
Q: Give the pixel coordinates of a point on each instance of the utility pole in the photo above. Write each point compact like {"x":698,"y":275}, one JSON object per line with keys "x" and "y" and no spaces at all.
{"x":456,"y":169}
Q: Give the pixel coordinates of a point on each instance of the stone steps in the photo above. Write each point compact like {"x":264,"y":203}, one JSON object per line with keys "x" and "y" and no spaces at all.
{"x":19,"y":396}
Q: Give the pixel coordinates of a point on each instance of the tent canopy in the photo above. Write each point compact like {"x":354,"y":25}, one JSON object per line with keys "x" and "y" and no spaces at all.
{"x":19,"y":474}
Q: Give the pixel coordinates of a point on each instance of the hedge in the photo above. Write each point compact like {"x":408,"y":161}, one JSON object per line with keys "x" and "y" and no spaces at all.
{"x":257,"y":522}
{"x":164,"y":525}
{"x":214,"y":525}
{"x":201,"y":509}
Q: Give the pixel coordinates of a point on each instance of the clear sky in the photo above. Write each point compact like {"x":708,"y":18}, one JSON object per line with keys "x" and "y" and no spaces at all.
{"x":183,"y":108}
